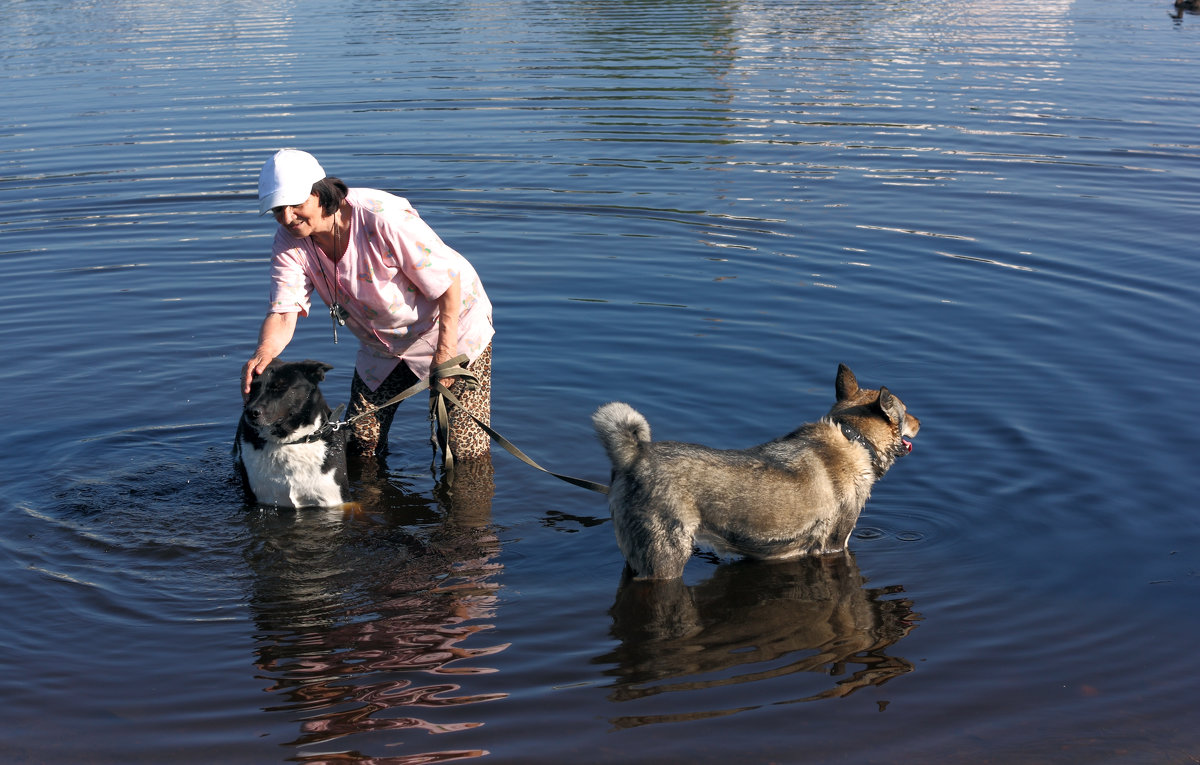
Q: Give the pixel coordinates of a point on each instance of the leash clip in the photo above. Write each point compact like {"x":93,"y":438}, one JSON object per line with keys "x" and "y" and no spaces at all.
{"x":336,"y":422}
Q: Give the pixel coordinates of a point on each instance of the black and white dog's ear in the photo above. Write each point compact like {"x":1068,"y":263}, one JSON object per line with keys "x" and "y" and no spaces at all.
{"x":315,"y":370}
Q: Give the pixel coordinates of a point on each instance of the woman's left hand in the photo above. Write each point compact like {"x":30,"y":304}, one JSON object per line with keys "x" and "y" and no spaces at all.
{"x":441,"y":357}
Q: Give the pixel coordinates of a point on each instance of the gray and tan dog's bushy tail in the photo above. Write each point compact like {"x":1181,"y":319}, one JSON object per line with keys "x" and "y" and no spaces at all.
{"x":621,"y":429}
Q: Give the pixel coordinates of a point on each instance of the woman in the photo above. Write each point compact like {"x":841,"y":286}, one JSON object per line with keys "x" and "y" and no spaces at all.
{"x":412,"y":301}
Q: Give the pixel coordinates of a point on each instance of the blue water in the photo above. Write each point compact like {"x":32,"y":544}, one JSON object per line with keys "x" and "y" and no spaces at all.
{"x":700,"y":208}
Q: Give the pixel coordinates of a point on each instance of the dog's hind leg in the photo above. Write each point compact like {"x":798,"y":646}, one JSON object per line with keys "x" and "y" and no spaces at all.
{"x":655,"y":547}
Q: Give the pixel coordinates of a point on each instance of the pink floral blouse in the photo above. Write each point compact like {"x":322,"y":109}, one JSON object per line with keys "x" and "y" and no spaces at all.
{"x":394,"y":270}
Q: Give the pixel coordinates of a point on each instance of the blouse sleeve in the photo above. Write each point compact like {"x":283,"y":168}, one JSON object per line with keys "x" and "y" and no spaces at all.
{"x":291,"y":288}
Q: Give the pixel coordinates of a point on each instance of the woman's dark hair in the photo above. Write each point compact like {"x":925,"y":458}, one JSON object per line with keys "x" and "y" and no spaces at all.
{"x":330,"y":192}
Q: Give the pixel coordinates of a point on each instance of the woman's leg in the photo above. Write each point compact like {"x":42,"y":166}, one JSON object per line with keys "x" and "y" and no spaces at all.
{"x":370,"y":433}
{"x":467,"y":439}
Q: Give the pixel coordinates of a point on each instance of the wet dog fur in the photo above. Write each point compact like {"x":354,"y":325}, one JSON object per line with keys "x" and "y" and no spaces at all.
{"x":279,"y":463}
{"x":800,"y":494}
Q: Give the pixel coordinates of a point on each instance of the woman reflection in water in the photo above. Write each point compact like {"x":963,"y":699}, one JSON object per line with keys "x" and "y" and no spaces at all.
{"x":411,"y":301}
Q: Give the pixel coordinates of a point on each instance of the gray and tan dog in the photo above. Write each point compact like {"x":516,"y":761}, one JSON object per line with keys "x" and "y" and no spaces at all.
{"x":797,"y":495}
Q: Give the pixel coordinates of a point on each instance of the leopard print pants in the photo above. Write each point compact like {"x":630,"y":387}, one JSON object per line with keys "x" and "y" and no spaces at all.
{"x":467,"y":439}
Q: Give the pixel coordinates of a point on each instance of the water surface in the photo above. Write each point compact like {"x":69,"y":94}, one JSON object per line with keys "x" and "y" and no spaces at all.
{"x":700,"y":208}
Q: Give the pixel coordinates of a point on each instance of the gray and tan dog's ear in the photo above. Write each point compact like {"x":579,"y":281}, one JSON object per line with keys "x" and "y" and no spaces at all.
{"x":891,"y":406}
{"x":846,"y":384}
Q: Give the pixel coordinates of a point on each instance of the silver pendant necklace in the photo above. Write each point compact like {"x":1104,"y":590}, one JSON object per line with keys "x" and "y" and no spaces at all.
{"x":337,"y":314}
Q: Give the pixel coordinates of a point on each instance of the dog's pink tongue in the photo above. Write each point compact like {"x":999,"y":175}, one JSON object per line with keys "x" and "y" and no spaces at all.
{"x":907,"y":445}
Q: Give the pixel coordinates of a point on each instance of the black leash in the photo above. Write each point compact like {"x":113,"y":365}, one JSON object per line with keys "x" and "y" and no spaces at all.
{"x":437,"y":405}
{"x":439,"y":414}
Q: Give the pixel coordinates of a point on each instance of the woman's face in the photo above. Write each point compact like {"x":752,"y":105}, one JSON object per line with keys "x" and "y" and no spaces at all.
{"x":303,"y":219}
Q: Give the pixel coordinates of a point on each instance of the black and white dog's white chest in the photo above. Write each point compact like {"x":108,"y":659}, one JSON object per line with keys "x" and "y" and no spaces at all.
{"x":295,"y":474}
{"x":287,"y":458}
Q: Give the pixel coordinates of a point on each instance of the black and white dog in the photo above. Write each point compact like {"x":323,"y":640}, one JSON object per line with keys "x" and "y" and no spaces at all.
{"x":286,"y":457}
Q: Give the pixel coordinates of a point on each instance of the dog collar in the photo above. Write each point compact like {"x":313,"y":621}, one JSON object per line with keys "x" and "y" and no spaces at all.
{"x":854,"y":434}
{"x":332,"y":425}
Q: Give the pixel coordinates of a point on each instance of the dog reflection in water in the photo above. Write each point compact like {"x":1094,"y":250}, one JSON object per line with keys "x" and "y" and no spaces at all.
{"x":373,"y":626}
{"x":813,"y":614}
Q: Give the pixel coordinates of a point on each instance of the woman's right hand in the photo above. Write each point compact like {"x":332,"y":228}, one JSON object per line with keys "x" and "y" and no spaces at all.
{"x":253,"y":368}
{"x":273,"y":337}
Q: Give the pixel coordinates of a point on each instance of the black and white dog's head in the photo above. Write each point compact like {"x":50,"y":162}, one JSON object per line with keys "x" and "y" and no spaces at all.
{"x":285,"y":455}
{"x":285,"y":402}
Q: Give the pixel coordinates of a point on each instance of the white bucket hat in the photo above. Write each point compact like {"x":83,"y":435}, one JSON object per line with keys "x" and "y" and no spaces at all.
{"x":287,"y":179}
